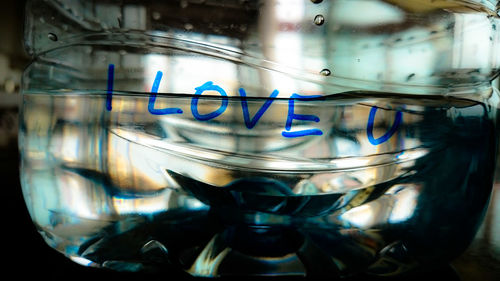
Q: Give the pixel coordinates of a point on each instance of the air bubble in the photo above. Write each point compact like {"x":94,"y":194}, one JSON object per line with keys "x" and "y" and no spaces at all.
{"x":325,"y":72}
{"x":188,"y":26}
{"x":10,"y":86}
{"x":184,"y":4}
{"x":52,"y":36}
{"x":319,"y":20}
{"x":316,"y":1}
{"x":156,"y":15}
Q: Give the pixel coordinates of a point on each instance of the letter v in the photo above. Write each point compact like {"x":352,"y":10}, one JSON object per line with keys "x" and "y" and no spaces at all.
{"x":250,"y":123}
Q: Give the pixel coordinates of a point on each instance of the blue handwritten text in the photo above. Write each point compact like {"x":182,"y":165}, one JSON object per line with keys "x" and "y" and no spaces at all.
{"x":369,"y":127}
{"x":251,"y":122}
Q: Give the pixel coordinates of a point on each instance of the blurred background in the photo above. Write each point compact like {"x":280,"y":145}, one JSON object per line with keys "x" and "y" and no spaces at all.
{"x":27,"y":253}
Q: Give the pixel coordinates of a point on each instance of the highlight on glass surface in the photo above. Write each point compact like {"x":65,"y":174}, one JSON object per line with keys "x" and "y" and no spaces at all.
{"x":274,"y":137}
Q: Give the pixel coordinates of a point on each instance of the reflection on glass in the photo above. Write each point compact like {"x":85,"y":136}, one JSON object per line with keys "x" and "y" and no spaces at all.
{"x":259,"y":137}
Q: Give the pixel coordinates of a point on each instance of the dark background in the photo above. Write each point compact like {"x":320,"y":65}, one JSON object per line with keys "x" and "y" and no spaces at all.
{"x":25,"y":254}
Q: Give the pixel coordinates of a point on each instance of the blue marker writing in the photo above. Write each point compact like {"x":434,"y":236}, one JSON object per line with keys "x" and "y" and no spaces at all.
{"x":250,"y":123}
{"x":109,"y":93}
{"x":292,"y":116}
{"x":209,"y":86}
{"x":388,"y":134}
{"x":152,"y":99}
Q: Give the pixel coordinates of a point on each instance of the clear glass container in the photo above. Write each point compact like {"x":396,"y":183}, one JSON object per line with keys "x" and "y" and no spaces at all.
{"x":271,"y":137}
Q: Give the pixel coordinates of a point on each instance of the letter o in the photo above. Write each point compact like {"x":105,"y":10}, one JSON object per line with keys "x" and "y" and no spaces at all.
{"x":209,"y":86}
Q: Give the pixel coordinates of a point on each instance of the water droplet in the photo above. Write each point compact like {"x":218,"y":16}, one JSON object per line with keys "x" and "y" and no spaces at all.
{"x":410,"y":77}
{"x":319,"y":20}
{"x":188,"y":26}
{"x":316,"y":1}
{"x":52,"y":36}
{"x":325,"y":72}
{"x":122,"y":52}
{"x":243,"y":28}
{"x":184,"y":4}
{"x":156,"y":15}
